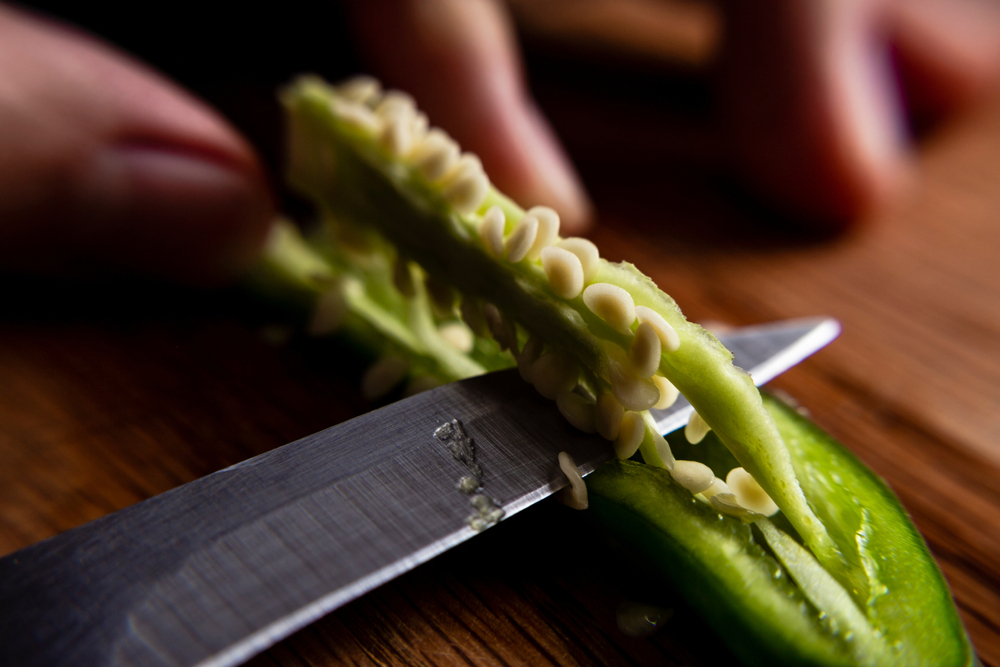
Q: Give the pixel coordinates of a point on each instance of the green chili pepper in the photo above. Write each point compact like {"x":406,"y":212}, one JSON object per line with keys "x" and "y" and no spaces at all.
{"x":410,"y":223}
{"x":750,"y":595}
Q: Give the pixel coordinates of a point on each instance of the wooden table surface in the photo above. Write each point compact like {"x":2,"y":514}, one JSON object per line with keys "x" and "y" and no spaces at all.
{"x":110,"y":394}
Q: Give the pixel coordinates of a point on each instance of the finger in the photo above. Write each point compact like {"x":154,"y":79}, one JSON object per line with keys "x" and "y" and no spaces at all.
{"x":814,"y":106}
{"x":104,"y":164}
{"x":460,"y":61}
{"x":949,"y":52}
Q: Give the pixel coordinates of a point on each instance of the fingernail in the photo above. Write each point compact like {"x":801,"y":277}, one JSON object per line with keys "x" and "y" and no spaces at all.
{"x":175,"y":214}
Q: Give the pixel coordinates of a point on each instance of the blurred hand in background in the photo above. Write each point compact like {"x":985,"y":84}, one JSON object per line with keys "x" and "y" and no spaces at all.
{"x":820,"y":96}
{"x":817,"y":97}
{"x":104,"y":163}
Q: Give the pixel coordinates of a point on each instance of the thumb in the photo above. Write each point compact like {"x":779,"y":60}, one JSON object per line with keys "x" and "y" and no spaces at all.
{"x":811,"y":99}
{"x":105,"y":165}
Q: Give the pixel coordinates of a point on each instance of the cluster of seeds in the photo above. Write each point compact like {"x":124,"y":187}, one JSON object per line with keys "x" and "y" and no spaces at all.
{"x":621,"y":414}
{"x":614,"y":402}
{"x":575,"y":495}
{"x":402,"y":130}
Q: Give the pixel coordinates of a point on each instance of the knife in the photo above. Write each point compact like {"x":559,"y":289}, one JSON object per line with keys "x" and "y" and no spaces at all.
{"x":215,"y":571}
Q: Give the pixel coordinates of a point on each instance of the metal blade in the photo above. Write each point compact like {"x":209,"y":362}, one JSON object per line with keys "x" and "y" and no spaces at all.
{"x":217,"y":570}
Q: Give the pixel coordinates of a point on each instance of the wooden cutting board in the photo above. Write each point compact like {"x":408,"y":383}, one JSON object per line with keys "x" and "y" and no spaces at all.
{"x":110,"y":394}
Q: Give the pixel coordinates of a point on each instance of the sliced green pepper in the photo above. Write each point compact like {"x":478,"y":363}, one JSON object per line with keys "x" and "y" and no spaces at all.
{"x":839,"y":577}
{"x":353,"y":178}
{"x":748,"y":595}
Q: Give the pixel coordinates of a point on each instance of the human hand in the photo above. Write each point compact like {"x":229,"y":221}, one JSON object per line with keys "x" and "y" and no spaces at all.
{"x":107,"y":166}
{"x":811,"y":91}
{"x":820,"y":95}
{"x":459,"y":59}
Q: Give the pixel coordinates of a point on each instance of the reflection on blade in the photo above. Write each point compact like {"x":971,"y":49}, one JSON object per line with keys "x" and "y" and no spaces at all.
{"x":215,"y":571}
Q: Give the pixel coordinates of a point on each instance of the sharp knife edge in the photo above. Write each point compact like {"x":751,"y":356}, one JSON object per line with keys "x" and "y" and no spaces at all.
{"x":193,"y":590}
{"x":267,"y":637}
{"x":793,"y":340}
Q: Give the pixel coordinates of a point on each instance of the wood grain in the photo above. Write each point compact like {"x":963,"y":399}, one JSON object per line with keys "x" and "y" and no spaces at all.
{"x":111,"y":394}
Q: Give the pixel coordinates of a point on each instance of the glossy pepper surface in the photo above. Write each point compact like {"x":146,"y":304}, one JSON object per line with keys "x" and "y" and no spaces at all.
{"x":725,"y":568}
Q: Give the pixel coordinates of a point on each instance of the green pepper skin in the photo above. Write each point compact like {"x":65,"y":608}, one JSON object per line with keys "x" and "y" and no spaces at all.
{"x":720,"y":566}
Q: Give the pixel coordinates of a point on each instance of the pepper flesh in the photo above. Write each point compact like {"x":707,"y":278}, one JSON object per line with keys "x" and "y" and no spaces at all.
{"x":747,"y":596}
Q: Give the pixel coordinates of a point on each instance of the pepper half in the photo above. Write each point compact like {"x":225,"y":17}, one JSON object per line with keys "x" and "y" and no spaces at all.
{"x":840,"y":577}
{"x":726,"y":569}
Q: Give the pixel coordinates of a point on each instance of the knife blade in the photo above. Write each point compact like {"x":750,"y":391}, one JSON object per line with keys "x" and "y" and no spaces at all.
{"x":217,"y":570}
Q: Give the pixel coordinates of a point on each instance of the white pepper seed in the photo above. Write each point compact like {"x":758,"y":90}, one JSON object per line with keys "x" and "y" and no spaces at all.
{"x":632,"y":392}
{"x":467,"y":164}
{"x":356,"y":115}
{"x":396,"y":103}
{"x":521,"y":239}
{"x":396,"y":135}
{"x":577,"y":490}
{"x":529,"y":355}
{"x":457,"y":335}
{"x":630,"y":435}
{"x":554,"y":373}
{"x":476,"y":523}
{"x":612,"y":304}
{"x":586,"y":252}
{"x":494,"y":322}
{"x":419,"y":127}
{"x":749,"y":493}
{"x":491,"y":230}
{"x":361,"y":89}
{"x":694,"y":476}
{"x":718,"y":486}
{"x":577,"y":410}
{"x":466,"y":194}
{"x":668,"y":393}
{"x":436,"y":156}
{"x":644,"y":354}
{"x":609,"y":416}
{"x":508,"y":333}
{"x":696,"y":429}
{"x":472,"y":314}
{"x":466,"y":186}
{"x":564,"y":272}
{"x":668,"y":337}
{"x":548,"y":229}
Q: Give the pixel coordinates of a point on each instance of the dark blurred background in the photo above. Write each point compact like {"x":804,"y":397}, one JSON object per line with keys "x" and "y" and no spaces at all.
{"x":628,"y":85}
